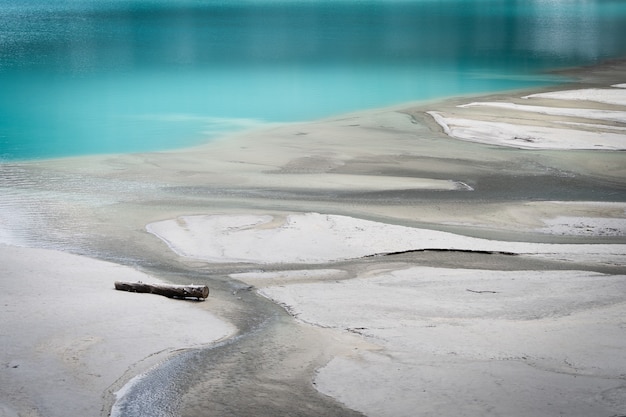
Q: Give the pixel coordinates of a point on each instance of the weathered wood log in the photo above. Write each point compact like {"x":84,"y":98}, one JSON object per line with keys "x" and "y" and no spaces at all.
{"x":168,"y":290}
{"x":482,"y":292}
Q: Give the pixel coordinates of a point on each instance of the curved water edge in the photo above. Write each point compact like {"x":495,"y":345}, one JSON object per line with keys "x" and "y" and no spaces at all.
{"x":86,"y":77}
{"x":240,"y":375}
{"x":119,"y":94}
{"x":128,"y":199}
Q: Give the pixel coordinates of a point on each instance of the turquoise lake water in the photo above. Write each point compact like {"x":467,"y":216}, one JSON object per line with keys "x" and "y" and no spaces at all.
{"x":95,"y":76}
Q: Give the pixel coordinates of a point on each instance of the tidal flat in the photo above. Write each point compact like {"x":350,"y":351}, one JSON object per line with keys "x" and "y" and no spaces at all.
{"x":374,"y":263}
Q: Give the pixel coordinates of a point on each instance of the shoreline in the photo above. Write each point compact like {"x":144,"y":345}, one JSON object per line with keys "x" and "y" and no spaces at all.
{"x":72,"y":347}
{"x":390,"y":170}
{"x":573,"y":75}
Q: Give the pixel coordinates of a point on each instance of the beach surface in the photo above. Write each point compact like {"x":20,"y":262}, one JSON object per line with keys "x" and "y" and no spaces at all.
{"x":70,"y":340}
{"x":459,"y":257}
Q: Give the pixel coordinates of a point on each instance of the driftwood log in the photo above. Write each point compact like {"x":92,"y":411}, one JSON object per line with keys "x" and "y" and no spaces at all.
{"x":168,"y":290}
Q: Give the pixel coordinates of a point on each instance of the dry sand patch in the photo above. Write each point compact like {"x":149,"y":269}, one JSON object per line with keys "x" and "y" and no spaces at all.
{"x":69,"y":340}
{"x":472,"y":342}
{"x":562,"y":122}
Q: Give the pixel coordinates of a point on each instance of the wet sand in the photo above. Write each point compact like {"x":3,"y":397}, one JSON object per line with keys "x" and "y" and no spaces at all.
{"x":476,"y":324}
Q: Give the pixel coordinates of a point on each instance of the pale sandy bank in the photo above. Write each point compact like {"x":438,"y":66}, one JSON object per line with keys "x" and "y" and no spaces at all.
{"x":472,"y":342}
{"x":469,"y":341}
{"x":571,"y":120}
{"x":506,"y":296}
{"x":318,"y":238}
{"x":69,"y":341}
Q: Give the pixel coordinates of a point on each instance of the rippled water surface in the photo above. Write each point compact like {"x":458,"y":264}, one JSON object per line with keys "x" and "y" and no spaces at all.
{"x":90,"y":76}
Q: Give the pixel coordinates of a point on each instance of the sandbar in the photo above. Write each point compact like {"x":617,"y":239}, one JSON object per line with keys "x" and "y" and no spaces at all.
{"x":563,"y":126}
{"x":70,"y":341}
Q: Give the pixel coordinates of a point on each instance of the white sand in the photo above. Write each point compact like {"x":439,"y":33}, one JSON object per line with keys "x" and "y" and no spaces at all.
{"x":594,"y":126}
{"x":449,"y":341}
{"x":533,"y":343}
{"x":616,"y":96}
{"x":584,"y":226}
{"x":517,"y":128}
{"x":528,"y":137}
{"x":69,"y":340}
{"x":319,"y":238}
{"x":539,"y":216}
{"x":608,"y":115}
{"x":267,"y":278}
{"x":355,"y":182}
